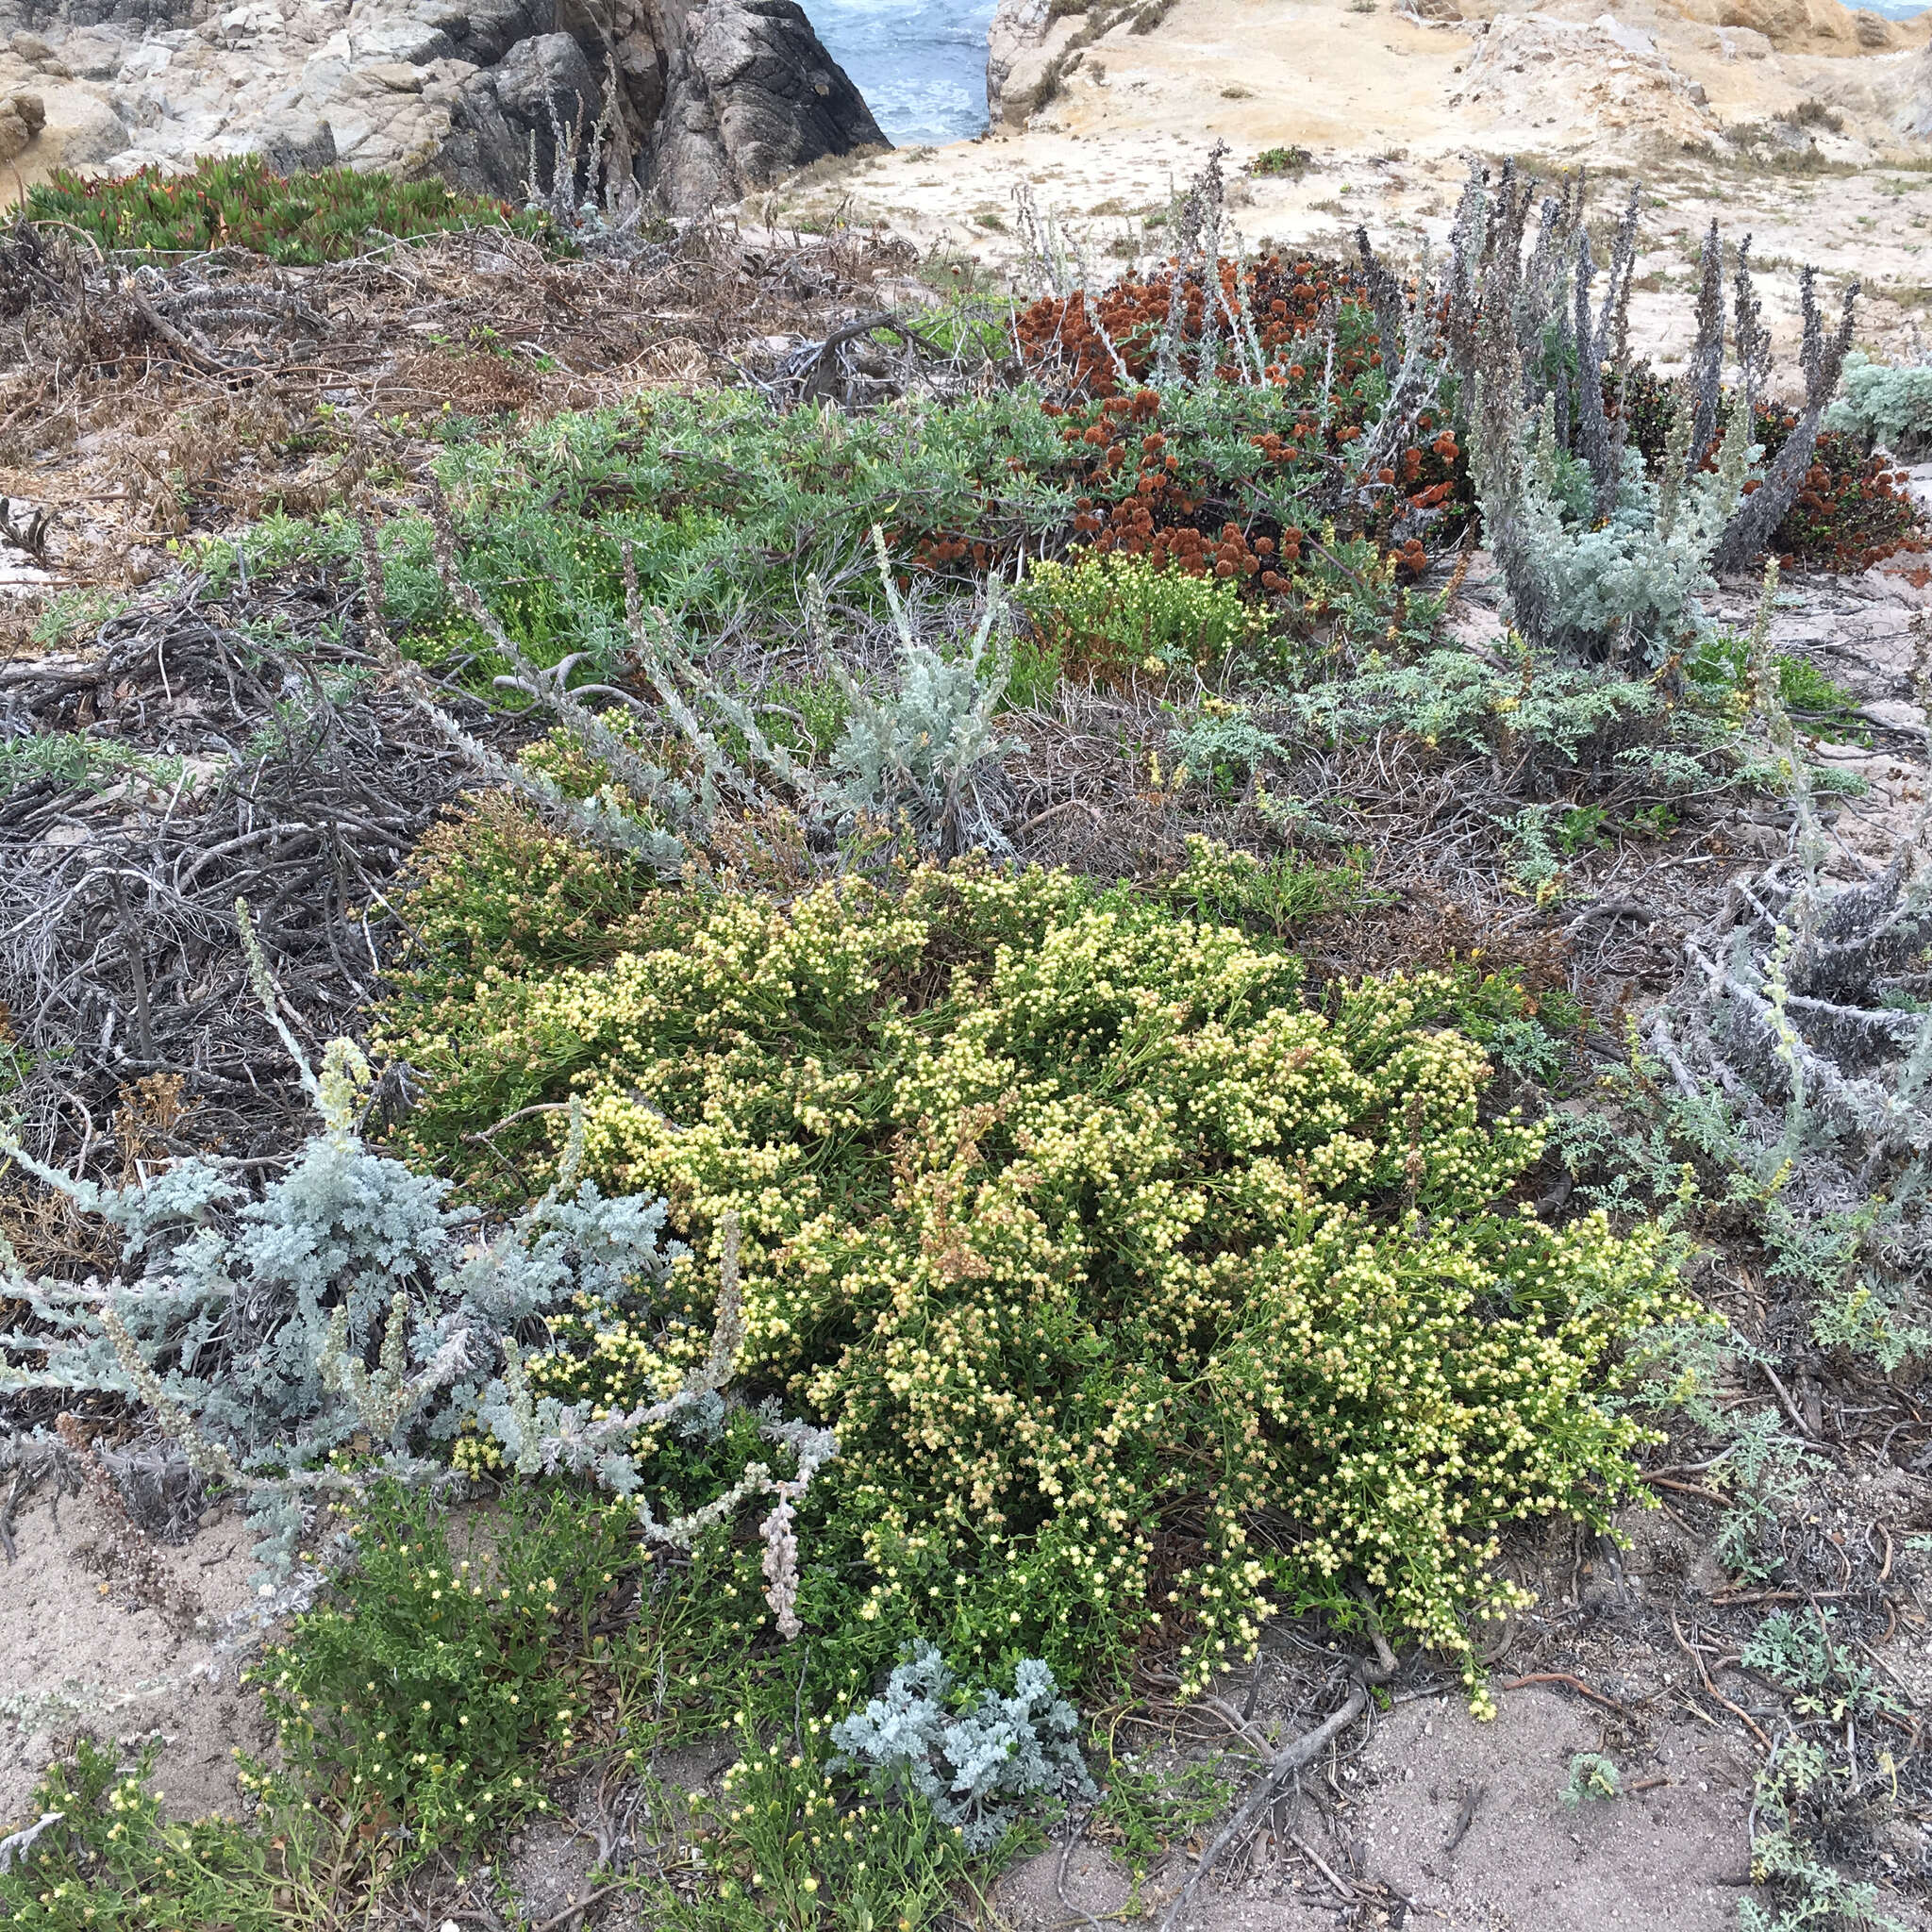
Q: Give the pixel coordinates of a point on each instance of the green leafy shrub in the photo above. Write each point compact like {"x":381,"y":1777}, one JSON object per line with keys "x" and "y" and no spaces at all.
{"x":75,"y":613}
{"x":1282,"y":160}
{"x":1222,"y":748}
{"x":1806,"y":1656}
{"x":1064,"y":1211}
{"x":786,"y":1845}
{"x":1559,"y":724}
{"x":1145,"y":1811}
{"x":435,"y":1686}
{"x":723,"y":505}
{"x":238,"y":203}
{"x":1720,"y":666}
{"x":1793,"y":1796}
{"x":1226,"y":887}
{"x":75,"y":761}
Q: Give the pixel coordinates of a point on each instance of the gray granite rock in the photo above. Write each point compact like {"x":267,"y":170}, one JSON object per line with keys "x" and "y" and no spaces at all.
{"x":713,"y":98}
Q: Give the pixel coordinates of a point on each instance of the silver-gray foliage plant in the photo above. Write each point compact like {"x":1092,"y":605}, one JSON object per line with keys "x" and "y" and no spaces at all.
{"x":923,"y":758}
{"x":1598,"y":558}
{"x":247,"y":1328}
{"x":1886,"y":403}
{"x":978,"y":1767}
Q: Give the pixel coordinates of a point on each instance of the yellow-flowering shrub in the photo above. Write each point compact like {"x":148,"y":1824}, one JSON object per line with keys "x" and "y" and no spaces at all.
{"x":1109,"y":615}
{"x":1080,"y":1224}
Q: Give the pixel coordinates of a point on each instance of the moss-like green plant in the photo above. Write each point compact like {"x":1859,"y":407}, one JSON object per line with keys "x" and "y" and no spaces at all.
{"x":1067,"y":1215}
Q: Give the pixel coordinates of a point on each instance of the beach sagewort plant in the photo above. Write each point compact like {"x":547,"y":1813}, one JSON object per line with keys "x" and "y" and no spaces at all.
{"x":1086,"y":1233}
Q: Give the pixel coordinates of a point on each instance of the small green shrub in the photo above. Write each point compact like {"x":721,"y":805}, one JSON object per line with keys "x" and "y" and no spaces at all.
{"x":1036,"y":673}
{"x":1222,"y":748}
{"x":1721,"y":667}
{"x":1822,"y":1676}
{"x":1282,"y":160}
{"x":1226,"y":887}
{"x":238,"y":203}
{"x":1058,"y":1209}
{"x":76,"y":762}
{"x":726,"y":509}
{"x":433,"y":1686}
{"x":75,"y":614}
{"x":1593,"y":1779}
{"x":1145,"y":1811}
{"x":1115,"y":617}
{"x":109,"y":1863}
{"x":786,"y":1845}
{"x":1563,"y":725}
{"x":1792,"y":1795}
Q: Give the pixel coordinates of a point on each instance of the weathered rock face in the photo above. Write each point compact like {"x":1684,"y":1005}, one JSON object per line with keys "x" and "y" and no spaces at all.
{"x":750,"y":94}
{"x":1794,"y":25}
{"x":1014,"y":39}
{"x":542,"y":83}
{"x":1602,"y":76}
{"x":713,"y":98}
{"x":1915,"y":115}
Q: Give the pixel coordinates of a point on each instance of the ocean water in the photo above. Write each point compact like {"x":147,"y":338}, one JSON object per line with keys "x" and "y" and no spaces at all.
{"x":920,"y":64}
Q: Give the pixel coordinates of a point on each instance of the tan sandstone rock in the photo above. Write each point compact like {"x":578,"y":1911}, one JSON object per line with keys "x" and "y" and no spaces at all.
{"x":1793,"y":26}
{"x":1582,"y":80}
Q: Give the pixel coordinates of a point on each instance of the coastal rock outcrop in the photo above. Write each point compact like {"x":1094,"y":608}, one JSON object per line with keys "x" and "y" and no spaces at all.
{"x":711,"y":98}
{"x":1600,"y":77}
{"x":1915,"y":115}
{"x":1015,"y":38}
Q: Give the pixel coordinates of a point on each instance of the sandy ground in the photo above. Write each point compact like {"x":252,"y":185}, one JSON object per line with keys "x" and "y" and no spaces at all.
{"x":77,"y":1652}
{"x":1670,"y":1855}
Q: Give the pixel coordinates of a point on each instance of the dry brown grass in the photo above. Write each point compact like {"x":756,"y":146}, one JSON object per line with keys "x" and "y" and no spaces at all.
{"x":274,"y":387}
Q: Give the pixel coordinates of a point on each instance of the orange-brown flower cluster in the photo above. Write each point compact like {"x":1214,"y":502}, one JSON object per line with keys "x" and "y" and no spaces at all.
{"x":1284,"y":301}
